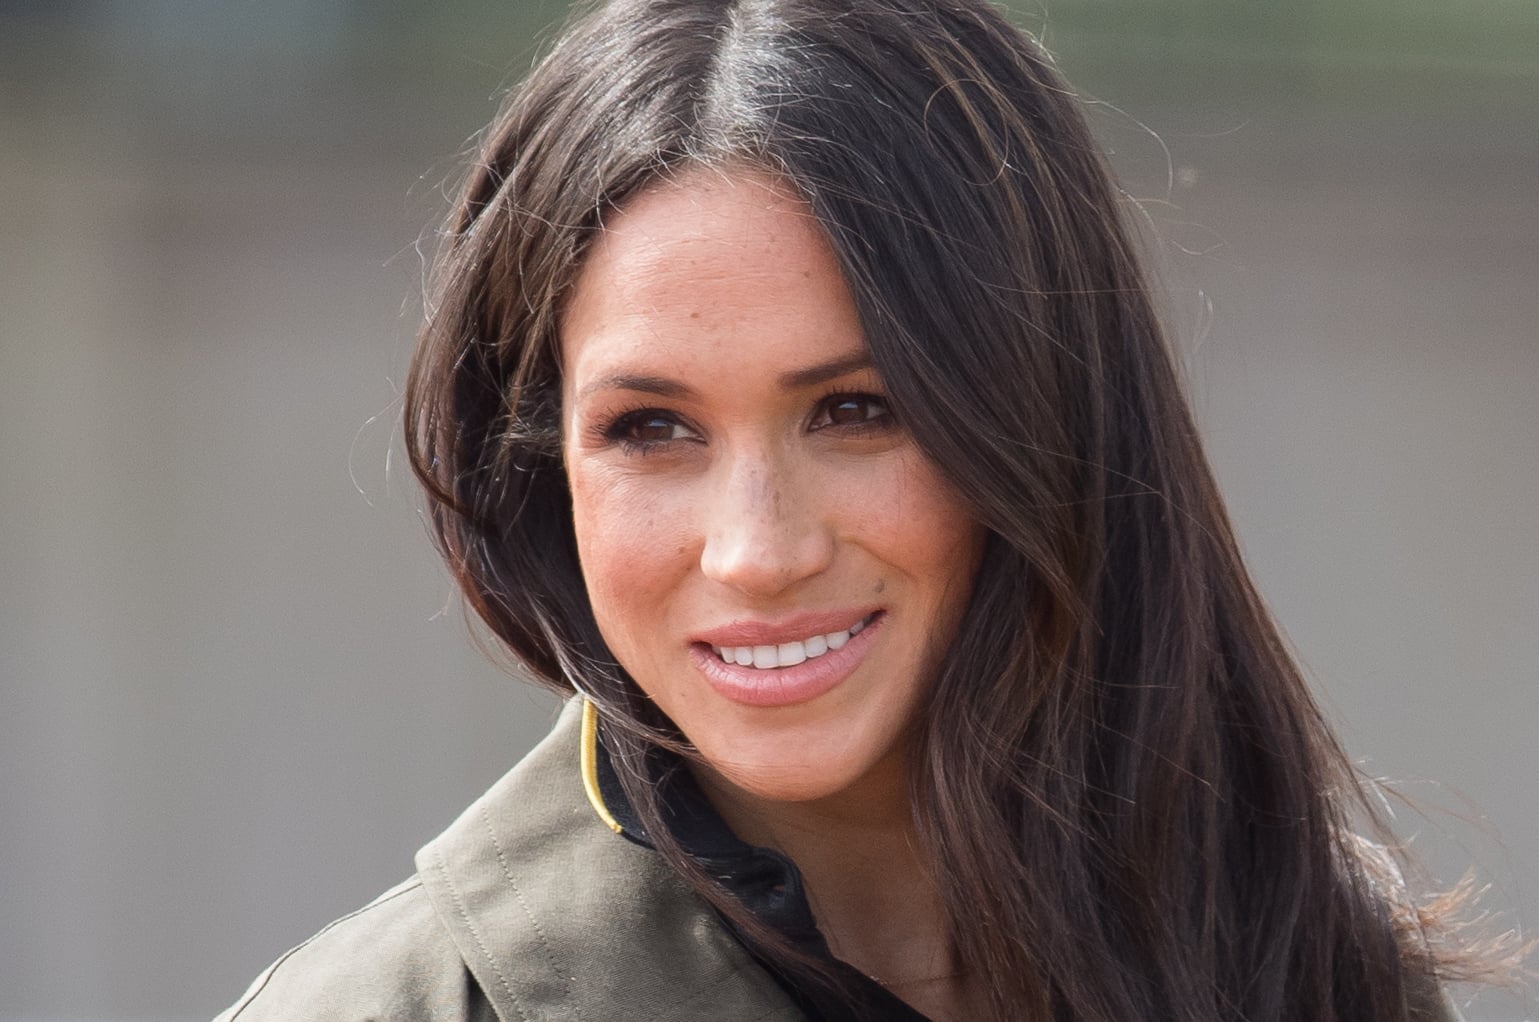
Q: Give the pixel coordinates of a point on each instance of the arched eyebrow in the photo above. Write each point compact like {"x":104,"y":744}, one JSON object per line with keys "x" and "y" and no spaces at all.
{"x":791,"y":379}
{"x":796,"y":379}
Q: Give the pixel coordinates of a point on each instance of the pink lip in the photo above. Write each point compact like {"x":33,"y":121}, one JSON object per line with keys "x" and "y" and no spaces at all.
{"x":787,"y":629}
{"x":783,"y":686}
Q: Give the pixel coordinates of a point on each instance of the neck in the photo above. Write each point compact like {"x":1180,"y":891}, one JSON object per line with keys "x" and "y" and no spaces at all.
{"x":870,"y":889}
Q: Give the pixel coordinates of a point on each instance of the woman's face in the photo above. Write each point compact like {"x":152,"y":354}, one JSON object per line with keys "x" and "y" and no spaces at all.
{"x":766,"y":551}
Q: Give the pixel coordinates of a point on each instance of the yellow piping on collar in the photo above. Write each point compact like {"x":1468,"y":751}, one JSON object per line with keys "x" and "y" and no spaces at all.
{"x":589,"y":758}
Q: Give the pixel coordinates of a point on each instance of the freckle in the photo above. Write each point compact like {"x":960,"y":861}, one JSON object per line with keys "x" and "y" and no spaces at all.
{"x":695,"y":314}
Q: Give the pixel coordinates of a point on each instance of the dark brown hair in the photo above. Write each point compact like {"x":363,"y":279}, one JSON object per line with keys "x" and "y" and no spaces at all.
{"x":1134,"y":806}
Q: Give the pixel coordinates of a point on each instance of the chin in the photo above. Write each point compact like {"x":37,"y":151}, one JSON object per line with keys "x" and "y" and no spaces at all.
{"x":809,"y":768}
{"x":782,"y":784}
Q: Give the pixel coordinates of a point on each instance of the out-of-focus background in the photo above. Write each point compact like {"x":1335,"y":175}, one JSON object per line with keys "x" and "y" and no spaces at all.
{"x":235,"y":691}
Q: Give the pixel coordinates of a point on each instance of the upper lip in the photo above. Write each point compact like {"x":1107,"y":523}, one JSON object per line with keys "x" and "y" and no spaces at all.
{"x":792,"y":628}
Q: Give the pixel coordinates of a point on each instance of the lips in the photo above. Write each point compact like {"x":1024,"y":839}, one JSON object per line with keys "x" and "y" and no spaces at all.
{"x":788,"y":662}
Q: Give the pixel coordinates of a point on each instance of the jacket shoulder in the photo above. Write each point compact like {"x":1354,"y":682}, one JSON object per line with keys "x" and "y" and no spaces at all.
{"x":390,"y":961}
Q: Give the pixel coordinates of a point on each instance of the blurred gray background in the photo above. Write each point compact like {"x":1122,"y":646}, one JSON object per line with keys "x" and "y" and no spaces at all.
{"x":235,"y":691}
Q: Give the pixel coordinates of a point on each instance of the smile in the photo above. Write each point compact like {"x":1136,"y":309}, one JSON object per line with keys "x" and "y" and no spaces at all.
{"x":789,"y":654}
{"x":780,"y":674}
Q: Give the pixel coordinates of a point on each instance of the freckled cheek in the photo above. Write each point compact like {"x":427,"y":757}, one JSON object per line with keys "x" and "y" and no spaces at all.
{"x":633,"y":543}
{"x":909,"y":512}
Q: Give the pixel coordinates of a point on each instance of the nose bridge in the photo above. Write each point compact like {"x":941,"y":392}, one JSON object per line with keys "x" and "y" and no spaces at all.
{"x":764,"y":527}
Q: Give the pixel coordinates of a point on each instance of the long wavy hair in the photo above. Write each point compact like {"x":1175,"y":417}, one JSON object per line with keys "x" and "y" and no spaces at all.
{"x":1133,"y":806}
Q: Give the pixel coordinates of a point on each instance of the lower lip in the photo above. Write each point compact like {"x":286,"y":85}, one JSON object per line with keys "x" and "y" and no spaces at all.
{"x":785,"y":686}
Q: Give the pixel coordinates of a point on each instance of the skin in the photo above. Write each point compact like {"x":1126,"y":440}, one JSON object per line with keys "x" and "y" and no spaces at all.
{"x":711,"y":486}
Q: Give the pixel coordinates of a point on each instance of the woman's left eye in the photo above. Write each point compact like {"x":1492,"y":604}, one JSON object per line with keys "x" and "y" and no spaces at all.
{"x":857,"y":411}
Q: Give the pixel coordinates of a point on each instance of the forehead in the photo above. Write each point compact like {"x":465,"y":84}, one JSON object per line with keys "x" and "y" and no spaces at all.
{"x":704,"y":203}
{"x":705,"y":223}
{"x":705,"y":261}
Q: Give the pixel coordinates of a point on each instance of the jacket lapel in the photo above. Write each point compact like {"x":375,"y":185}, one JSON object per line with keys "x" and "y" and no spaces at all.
{"x":560,"y":918}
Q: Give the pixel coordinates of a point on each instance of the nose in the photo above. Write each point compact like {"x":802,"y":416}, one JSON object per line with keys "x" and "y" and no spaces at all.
{"x":766,"y":528}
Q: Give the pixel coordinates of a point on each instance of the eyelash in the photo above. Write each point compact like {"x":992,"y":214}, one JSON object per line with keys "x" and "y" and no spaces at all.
{"x":618,"y":430}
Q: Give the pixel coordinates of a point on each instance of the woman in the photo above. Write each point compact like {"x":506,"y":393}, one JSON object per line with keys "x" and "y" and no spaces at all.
{"x":791,"y":394}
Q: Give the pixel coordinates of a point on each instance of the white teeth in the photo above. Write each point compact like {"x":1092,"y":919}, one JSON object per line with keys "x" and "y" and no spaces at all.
{"x":791,"y":653}
{"x":787,"y":654}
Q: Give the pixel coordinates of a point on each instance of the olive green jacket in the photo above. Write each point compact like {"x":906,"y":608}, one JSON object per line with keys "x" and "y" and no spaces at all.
{"x":529,"y":907}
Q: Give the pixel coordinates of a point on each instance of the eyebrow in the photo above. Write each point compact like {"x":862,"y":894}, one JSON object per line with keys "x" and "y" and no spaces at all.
{"x":791,"y":379}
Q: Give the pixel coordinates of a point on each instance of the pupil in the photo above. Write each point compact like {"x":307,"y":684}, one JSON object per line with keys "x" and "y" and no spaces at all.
{"x":848,"y":411}
{"x":654,"y":429}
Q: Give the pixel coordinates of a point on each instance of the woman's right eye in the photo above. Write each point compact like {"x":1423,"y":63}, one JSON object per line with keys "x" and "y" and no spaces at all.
{"x":647,"y":428}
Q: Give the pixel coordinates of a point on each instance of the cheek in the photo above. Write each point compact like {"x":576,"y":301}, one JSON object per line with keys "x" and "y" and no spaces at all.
{"x":923,"y":529}
{"x":631,"y":541}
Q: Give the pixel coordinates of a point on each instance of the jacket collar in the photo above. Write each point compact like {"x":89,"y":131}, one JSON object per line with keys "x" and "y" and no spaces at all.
{"x":764,"y":880}
{"x":558,"y":919}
